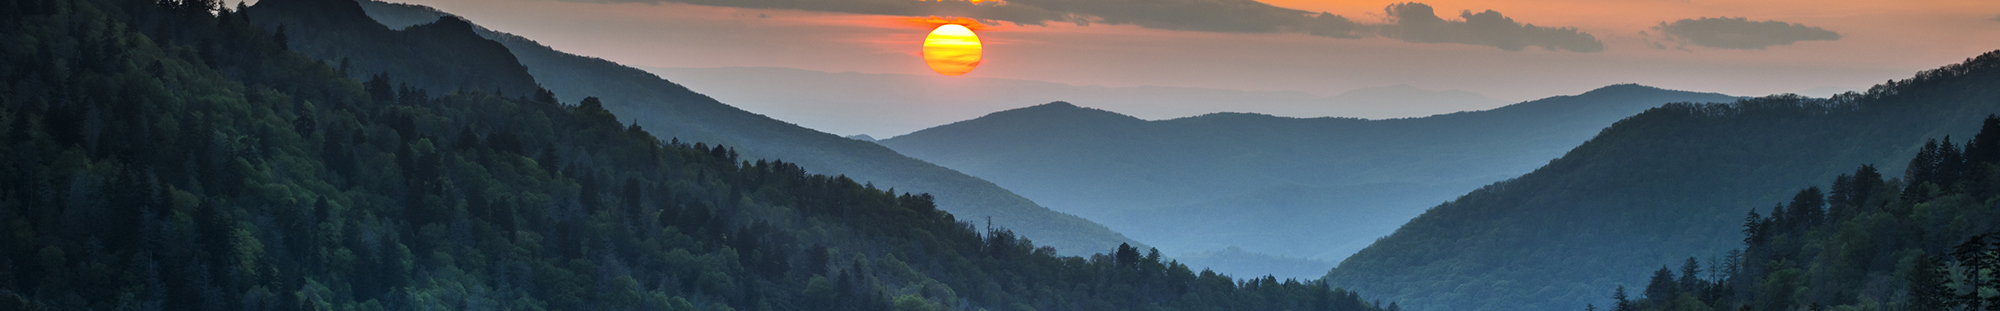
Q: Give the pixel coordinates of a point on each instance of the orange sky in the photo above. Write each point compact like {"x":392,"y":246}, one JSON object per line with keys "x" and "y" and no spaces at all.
{"x":1880,"y":40}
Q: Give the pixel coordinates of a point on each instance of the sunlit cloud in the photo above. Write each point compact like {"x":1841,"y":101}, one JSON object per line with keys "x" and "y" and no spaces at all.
{"x":1415,"y":22}
{"x":931,"y":22}
{"x":1740,"y":33}
{"x":1409,"y":22}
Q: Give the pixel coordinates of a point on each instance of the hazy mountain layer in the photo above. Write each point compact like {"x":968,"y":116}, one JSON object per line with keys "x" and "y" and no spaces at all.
{"x":667,"y":108}
{"x":1317,"y":188}
{"x":896,"y":104}
{"x":1656,"y":188}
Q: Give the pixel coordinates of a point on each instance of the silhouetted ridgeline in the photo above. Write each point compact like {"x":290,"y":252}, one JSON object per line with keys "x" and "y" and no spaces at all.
{"x":1660,"y":186}
{"x":170,"y":156}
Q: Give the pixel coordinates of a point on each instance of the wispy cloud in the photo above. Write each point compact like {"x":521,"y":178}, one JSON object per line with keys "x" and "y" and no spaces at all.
{"x":1411,"y":22}
{"x":1415,"y":22}
{"x":1741,"y":33}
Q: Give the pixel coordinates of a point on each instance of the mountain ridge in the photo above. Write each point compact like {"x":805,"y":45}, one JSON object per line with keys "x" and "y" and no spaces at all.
{"x":1659,"y":186}
{"x":674,"y":110}
{"x":1328,"y":184}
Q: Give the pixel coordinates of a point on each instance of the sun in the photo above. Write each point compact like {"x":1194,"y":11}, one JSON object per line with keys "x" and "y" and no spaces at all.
{"x":952,"y":50}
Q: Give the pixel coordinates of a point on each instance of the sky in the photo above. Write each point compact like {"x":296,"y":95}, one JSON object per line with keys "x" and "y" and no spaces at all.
{"x":1506,"y":50}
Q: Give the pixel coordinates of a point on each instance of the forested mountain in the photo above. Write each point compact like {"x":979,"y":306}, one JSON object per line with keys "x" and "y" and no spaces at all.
{"x":664,"y":107}
{"x":1926,"y":241}
{"x":172,"y":156}
{"x":444,"y":56}
{"x":1660,"y":186}
{"x":1317,"y":188}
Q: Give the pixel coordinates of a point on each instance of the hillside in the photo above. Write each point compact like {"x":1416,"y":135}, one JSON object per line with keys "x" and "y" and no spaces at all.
{"x":1318,"y":188}
{"x":443,"y":56}
{"x":141,"y":171}
{"x":1925,"y":241}
{"x":674,"y":111}
{"x":1660,"y":186}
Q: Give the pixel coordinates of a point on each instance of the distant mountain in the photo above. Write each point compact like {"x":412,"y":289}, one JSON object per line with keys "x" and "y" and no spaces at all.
{"x":1656,"y":188}
{"x":1317,"y":188}
{"x":895,"y":104}
{"x":1278,"y":266}
{"x":444,"y":56}
{"x":670,"y":110}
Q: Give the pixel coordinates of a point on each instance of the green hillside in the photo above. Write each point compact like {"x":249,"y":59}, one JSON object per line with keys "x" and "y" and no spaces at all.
{"x":1660,"y":186}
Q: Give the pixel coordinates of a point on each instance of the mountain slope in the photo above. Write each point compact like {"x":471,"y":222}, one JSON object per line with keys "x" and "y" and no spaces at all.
{"x":271,"y":181}
{"x":674,"y":111}
{"x":1666,"y":184}
{"x":1317,"y":188}
{"x":444,"y":56}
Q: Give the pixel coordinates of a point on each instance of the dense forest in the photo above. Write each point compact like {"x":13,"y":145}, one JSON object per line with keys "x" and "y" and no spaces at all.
{"x":172,"y":156}
{"x":1666,"y":184}
{"x":652,"y":102}
{"x":1925,"y":241}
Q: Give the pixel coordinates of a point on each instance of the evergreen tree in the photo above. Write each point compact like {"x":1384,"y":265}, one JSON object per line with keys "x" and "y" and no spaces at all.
{"x":1624,"y":303}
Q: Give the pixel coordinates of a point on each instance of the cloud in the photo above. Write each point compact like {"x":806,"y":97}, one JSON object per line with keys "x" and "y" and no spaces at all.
{"x":1741,"y":33}
{"x":1995,"y":18}
{"x":1411,"y":22}
{"x":1416,"y":22}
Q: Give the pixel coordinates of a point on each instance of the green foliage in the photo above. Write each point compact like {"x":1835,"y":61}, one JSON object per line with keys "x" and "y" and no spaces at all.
{"x":164,"y":158}
{"x":1661,"y":186}
{"x":1870,"y":244}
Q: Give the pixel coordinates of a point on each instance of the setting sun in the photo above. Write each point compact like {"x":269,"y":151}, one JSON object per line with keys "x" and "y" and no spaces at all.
{"x":952,"y":50}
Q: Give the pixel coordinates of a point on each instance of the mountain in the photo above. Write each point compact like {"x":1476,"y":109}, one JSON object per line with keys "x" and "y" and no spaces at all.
{"x":1654,"y":188}
{"x":674,"y":111}
{"x":1915,"y":243}
{"x":896,"y":104}
{"x":1318,"y":188}
{"x":443,"y":56}
{"x":270,"y":180}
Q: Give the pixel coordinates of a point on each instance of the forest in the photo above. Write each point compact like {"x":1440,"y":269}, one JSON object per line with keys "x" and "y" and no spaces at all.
{"x":1669,"y":183}
{"x":1925,"y":241}
{"x":171,"y":155}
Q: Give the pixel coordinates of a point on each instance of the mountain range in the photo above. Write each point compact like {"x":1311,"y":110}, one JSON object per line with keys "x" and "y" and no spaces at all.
{"x":674,"y":111}
{"x":1318,"y":188}
{"x":896,"y":104}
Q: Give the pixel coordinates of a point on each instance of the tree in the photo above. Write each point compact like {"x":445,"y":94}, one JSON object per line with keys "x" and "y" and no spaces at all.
{"x":1930,"y":285}
{"x":1126,"y":257}
{"x":1690,"y":276}
{"x":1806,"y":209}
{"x":1624,"y":302}
{"x":1662,"y":288}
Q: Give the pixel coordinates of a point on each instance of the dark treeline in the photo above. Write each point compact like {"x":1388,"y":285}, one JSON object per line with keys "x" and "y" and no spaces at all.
{"x":171,"y":156}
{"x":1867,"y":243}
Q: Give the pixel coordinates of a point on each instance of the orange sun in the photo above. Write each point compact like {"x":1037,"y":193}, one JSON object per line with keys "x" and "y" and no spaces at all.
{"x":952,"y":50}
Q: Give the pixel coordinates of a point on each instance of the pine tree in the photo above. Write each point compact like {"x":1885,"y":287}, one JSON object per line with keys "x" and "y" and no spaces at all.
{"x":1662,"y":288}
{"x":1624,"y":302}
{"x":1690,"y":276}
